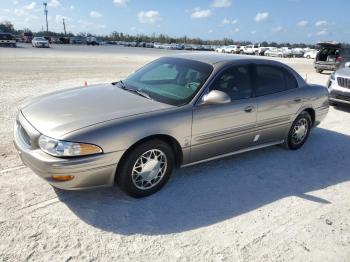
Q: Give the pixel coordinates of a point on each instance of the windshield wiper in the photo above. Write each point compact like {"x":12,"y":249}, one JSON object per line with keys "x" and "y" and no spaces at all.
{"x":136,"y":91}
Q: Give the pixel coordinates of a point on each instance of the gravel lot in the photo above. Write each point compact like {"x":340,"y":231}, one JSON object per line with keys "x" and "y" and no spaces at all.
{"x":267,"y":205}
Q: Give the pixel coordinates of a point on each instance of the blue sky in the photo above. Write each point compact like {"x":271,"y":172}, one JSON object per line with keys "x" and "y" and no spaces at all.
{"x":306,"y":21}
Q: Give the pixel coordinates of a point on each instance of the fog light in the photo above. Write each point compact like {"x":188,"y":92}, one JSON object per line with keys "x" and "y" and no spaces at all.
{"x":62,"y":178}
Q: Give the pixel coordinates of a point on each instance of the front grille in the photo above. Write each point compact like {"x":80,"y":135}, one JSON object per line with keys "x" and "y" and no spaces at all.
{"x":23,"y":134}
{"x":344,"y":82}
{"x":340,"y":97}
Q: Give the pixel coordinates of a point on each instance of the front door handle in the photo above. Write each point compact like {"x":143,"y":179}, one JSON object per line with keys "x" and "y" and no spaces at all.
{"x":249,"y":109}
{"x":297,"y":100}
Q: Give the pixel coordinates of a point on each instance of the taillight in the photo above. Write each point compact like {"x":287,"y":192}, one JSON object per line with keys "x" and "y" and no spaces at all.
{"x":340,"y":59}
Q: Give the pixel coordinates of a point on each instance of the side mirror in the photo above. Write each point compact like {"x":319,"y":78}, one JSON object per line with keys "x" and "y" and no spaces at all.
{"x":347,"y":64}
{"x":215,"y":97}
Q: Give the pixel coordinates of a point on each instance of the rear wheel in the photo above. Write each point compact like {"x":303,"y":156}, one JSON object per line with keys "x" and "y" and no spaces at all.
{"x":319,"y":71}
{"x":146,"y":169}
{"x":299,"y":131}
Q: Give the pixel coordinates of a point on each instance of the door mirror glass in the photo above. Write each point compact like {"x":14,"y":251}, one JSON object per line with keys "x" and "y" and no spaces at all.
{"x":216,"y":97}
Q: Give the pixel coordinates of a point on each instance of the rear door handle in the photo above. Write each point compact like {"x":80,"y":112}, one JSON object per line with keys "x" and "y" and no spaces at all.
{"x":249,"y":109}
{"x":297,"y":100}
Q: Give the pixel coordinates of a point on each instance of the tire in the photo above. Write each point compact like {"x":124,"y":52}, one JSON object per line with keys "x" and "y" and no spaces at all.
{"x":319,"y":71}
{"x":295,"y":139}
{"x":159,"y":157}
{"x":331,"y":103}
{"x":308,"y":57}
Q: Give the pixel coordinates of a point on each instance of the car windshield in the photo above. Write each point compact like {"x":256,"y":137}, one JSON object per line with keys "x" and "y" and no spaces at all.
{"x":40,"y":39}
{"x":172,"y":81}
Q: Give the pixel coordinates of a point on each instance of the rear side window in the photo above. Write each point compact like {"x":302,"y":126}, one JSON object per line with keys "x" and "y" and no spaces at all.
{"x":271,"y":79}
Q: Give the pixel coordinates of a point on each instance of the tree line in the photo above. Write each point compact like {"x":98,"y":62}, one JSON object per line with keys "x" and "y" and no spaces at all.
{"x":7,"y":27}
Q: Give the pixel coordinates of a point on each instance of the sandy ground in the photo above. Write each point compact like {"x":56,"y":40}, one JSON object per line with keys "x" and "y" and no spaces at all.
{"x":267,"y":205}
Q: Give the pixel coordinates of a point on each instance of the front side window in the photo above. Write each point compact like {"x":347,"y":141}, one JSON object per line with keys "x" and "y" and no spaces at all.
{"x":173,"y":81}
{"x":271,"y":79}
{"x":234,"y":81}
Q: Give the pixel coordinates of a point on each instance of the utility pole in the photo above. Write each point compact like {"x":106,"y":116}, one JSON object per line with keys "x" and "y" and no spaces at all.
{"x":64,"y":27}
{"x":45,"y":11}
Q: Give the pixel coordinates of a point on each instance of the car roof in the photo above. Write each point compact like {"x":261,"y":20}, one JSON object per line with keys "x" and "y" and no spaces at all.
{"x":212,"y":59}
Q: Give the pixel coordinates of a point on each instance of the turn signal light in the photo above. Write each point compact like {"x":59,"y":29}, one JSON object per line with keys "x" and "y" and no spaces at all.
{"x":62,"y":178}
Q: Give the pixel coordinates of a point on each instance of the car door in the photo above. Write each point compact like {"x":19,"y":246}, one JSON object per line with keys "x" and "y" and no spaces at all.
{"x":223,"y":128}
{"x":278,"y":99}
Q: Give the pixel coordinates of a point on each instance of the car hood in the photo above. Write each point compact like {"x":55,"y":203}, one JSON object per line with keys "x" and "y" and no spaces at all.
{"x":344,"y":72}
{"x":62,"y":112}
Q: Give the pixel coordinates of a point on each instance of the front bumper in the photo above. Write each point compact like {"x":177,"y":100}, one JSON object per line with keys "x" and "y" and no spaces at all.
{"x":337,"y":93}
{"x":88,"y":171}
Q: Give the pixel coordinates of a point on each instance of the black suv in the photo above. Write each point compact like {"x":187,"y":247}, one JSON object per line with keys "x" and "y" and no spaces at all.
{"x":332,"y":56}
{"x":7,"y":39}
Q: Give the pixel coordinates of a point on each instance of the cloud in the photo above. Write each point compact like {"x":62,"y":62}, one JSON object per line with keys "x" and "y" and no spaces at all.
{"x":235,"y":31}
{"x":54,"y":3}
{"x":303,"y":23}
{"x":29,"y":7}
{"x":322,"y":32}
{"x":210,"y":31}
{"x":226,"y":21}
{"x":261,"y":16}
{"x":277,"y":29}
{"x":95,"y":14}
{"x":321,"y":23}
{"x":121,"y":2}
{"x":59,"y":19}
{"x":200,"y":13}
{"x":221,"y":3}
{"x":253,"y":32}
{"x":90,"y":25}
{"x":72,"y":7}
{"x":149,"y":17}
{"x":235,"y":21}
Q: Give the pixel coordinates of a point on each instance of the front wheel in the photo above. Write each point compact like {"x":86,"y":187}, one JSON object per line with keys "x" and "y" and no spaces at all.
{"x":146,"y":169}
{"x":299,"y":131}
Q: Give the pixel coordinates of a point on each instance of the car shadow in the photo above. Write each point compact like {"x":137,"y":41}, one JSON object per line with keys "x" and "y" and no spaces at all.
{"x":209,"y":193}
{"x":344,"y":108}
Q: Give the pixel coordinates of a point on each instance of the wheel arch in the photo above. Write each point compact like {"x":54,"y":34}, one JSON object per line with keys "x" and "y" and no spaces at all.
{"x":170,"y":140}
{"x":311,"y":112}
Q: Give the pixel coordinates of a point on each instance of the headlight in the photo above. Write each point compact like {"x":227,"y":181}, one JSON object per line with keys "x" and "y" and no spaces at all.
{"x":56,"y":147}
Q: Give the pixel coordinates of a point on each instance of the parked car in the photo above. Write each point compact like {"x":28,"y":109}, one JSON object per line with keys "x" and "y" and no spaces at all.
{"x":332,"y":56}
{"x":278,"y":52}
{"x":220,"y":49}
{"x":77,"y":40}
{"x":39,"y":41}
{"x":27,"y":37}
{"x":262,"y":50}
{"x":7,"y":39}
{"x":91,"y":40}
{"x":287,"y":51}
{"x":175,"y":111}
{"x":297,"y":52}
{"x":233,"y":49}
{"x":250,"y":50}
{"x":149,"y":45}
{"x":311,"y":54}
{"x":339,"y":86}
